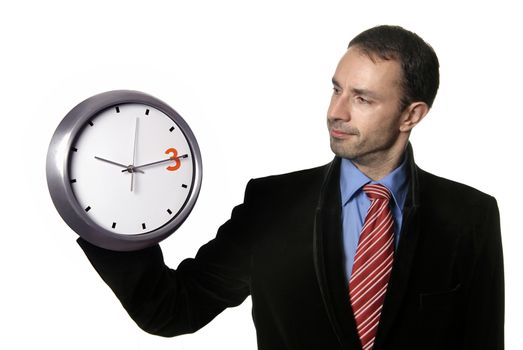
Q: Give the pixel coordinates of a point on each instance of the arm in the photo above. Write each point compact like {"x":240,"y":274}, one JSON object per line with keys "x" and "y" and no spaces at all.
{"x":169,"y":302}
{"x":484,"y":322}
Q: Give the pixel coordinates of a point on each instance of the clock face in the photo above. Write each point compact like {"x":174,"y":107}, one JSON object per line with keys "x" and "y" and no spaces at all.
{"x":131,"y":169}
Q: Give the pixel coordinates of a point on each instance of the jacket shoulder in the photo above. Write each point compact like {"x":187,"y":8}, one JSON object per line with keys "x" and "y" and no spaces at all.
{"x":433,"y":185}
{"x":293,"y":185}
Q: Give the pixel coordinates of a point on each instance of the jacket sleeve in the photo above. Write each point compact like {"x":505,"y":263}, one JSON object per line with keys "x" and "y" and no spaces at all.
{"x":169,"y":302}
{"x":484,"y":323}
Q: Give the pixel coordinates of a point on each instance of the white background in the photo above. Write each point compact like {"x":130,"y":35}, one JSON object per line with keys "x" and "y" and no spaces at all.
{"x":252,"y":78}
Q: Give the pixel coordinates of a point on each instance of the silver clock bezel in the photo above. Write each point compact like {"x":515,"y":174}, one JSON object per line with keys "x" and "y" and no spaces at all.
{"x":57,"y":171}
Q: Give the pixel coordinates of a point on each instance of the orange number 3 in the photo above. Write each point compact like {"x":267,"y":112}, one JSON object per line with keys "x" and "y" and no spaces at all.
{"x":174,"y":153}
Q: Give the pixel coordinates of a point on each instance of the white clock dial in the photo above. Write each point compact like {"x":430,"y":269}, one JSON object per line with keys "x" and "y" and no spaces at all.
{"x":122,"y":170}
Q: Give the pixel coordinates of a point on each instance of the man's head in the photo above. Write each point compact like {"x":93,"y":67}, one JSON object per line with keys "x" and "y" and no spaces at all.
{"x":383,"y":86}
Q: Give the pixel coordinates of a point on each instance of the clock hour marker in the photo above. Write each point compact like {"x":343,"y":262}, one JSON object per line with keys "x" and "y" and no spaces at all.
{"x":171,"y":129}
{"x":117,"y":109}
{"x":184,"y":185}
{"x":169,"y":211}
{"x":90,"y":122}
{"x":143,"y":225}
{"x":73,"y":181}
{"x":146,"y":112}
{"x":88,"y":208}
{"x":114,"y":225}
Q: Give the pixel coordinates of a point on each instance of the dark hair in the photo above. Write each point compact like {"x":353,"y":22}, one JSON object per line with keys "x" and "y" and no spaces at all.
{"x":417,"y":58}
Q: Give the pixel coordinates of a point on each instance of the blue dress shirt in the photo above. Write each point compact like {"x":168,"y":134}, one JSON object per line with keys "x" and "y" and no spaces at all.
{"x":355,"y":204}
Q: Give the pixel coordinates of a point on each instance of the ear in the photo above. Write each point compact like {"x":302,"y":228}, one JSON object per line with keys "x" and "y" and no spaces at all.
{"x":412,"y":115}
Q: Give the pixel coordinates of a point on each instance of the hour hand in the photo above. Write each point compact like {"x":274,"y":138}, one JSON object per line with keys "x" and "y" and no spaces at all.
{"x":117,"y":164}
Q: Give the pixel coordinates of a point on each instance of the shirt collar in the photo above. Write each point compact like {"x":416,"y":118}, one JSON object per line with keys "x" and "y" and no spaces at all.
{"x":352,"y":180}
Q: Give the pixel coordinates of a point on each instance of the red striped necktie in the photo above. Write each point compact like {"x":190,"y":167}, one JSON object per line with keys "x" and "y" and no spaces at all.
{"x":372,"y":264}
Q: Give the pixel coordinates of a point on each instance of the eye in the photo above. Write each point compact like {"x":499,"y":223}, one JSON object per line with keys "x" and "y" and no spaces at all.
{"x":362,"y":100}
{"x":336,"y":90}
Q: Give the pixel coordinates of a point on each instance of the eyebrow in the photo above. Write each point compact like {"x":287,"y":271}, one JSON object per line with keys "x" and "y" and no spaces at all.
{"x":364,"y":92}
{"x":357,"y":91}
{"x":335,"y":82}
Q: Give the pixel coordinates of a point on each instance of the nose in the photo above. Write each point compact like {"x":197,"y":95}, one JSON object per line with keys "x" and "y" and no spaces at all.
{"x":339,"y":109}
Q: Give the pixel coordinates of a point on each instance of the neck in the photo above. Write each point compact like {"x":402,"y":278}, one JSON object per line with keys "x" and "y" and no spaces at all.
{"x":378,"y":165}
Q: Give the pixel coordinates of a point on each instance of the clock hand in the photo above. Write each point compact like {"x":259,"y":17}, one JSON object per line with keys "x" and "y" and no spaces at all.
{"x":134,"y":152}
{"x":118,"y":164}
{"x":134,"y":168}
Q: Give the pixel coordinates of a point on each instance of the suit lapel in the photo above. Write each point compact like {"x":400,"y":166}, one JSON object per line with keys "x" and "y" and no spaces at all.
{"x":403,"y":259}
{"x":328,"y":251}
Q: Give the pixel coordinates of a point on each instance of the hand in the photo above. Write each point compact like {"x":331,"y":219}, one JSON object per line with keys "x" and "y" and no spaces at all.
{"x":117,"y":164}
{"x":134,"y":168}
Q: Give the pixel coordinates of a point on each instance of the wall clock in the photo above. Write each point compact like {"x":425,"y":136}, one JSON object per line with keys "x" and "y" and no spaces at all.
{"x":124,"y":170}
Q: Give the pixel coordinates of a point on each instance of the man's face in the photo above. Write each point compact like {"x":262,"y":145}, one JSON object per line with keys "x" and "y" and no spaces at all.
{"x":363,"y":116}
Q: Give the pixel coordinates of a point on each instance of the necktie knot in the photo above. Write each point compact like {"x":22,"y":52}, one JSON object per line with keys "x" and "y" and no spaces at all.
{"x":376,"y":191}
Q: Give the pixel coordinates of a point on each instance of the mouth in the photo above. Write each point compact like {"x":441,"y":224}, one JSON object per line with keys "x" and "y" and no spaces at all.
{"x":339,"y":134}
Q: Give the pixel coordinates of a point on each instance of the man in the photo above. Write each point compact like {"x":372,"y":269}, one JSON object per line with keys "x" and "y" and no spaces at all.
{"x":367,"y":252}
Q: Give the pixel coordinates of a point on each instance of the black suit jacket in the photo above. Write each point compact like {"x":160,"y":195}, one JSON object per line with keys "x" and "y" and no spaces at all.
{"x":283,"y":247}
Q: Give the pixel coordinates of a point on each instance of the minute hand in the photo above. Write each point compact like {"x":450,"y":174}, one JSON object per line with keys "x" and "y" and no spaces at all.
{"x":158,"y":162}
